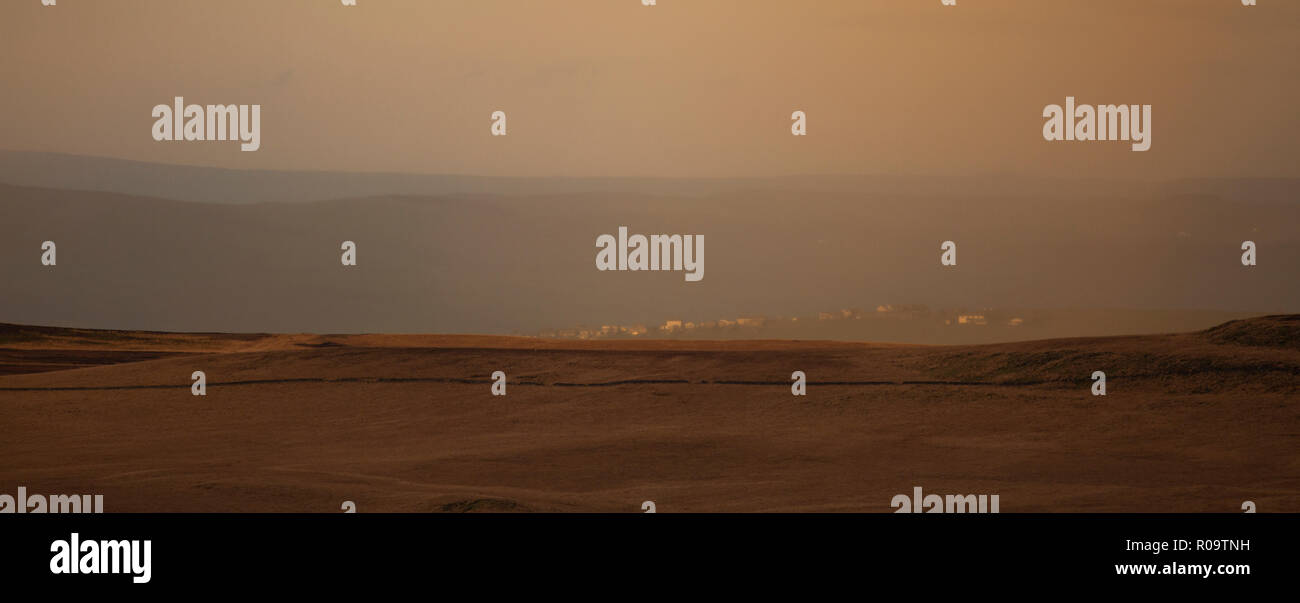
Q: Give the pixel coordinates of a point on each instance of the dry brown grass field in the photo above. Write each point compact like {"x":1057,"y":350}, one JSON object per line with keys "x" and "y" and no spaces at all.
{"x":1193,"y":422}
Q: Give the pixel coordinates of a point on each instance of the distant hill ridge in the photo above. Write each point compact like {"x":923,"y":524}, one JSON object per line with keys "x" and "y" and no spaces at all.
{"x":241,"y":186}
{"x":519,"y":264}
{"x":1276,"y":331}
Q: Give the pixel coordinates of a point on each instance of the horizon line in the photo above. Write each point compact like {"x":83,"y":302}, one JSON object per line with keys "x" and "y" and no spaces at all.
{"x":785,"y":176}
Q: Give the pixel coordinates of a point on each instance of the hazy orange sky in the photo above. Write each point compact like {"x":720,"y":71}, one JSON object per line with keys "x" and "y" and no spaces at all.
{"x":684,"y":88}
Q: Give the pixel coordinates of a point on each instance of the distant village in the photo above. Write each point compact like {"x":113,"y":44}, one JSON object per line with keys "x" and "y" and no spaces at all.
{"x":909,"y":320}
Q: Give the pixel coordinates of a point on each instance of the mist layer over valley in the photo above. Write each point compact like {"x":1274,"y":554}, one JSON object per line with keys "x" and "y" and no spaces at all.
{"x":508,"y":261}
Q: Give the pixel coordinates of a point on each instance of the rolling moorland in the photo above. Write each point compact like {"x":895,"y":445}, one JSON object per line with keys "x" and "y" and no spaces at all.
{"x":1192,"y":422}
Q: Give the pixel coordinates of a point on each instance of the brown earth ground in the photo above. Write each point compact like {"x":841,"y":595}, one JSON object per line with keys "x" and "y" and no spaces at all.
{"x":1195,"y":422}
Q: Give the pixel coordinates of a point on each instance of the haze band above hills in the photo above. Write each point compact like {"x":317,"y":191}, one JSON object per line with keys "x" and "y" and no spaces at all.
{"x":245,"y":251}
